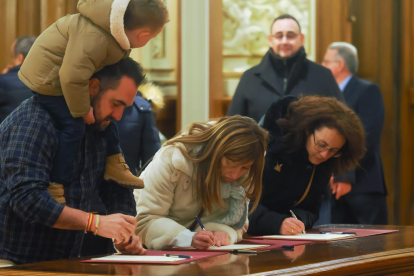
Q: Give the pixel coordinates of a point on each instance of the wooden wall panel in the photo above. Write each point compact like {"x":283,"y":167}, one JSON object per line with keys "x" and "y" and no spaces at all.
{"x":406,"y":200}
{"x":52,"y":10}
{"x":216,"y":82}
{"x":373,"y":35}
{"x":8,"y":29}
{"x":367,"y":40}
{"x":179,"y":82}
{"x":28,"y":17}
{"x":331,"y":24}
{"x":372,"y":26}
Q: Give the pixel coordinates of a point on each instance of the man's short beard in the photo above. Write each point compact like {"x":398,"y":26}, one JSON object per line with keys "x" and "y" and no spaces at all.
{"x":97,"y":126}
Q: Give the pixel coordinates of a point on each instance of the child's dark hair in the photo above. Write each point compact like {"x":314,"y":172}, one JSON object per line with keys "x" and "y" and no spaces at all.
{"x":145,"y":13}
{"x":110,"y":76}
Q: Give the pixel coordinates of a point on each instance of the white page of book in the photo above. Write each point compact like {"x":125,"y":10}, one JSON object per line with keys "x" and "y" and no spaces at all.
{"x":232,"y":247}
{"x":237,"y":247}
{"x":312,"y":237}
{"x":129,"y":258}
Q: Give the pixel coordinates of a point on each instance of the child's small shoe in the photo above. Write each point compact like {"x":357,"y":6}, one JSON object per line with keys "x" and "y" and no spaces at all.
{"x":57,"y":191}
{"x":118,"y":171}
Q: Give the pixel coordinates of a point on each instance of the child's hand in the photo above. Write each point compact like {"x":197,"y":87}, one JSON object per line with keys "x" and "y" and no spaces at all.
{"x":88,"y":118}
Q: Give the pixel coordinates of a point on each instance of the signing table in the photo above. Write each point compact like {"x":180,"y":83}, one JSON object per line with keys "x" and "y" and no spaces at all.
{"x":385,"y":254}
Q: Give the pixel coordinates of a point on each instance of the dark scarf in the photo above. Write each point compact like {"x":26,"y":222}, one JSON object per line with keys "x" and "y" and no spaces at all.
{"x":292,"y":67}
{"x":275,"y":112}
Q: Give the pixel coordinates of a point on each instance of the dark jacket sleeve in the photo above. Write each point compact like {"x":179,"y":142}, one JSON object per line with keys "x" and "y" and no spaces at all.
{"x":150,"y":142}
{"x":309,"y":215}
{"x":265,"y":222}
{"x":346,"y":177}
{"x":371,"y":111}
{"x":238,"y":104}
{"x":27,"y":151}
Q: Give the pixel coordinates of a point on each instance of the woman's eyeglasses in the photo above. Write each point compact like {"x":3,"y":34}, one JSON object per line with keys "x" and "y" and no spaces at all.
{"x":321,"y":148}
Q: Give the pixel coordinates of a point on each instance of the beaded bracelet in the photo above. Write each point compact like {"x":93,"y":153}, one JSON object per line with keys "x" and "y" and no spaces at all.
{"x":96,"y":225}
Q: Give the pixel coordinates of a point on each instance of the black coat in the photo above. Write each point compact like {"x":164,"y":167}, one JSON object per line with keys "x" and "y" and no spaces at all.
{"x":138,"y":134}
{"x":282,"y":189}
{"x":264,"y":84}
{"x":366,"y":100}
{"x":12,"y":92}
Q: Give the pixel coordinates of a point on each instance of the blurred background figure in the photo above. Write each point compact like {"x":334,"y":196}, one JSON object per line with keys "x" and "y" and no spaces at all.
{"x":284,"y":70}
{"x":12,"y":90}
{"x":360,"y":195}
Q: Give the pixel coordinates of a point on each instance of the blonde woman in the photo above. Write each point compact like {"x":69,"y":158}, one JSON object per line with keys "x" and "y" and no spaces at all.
{"x":211,"y":172}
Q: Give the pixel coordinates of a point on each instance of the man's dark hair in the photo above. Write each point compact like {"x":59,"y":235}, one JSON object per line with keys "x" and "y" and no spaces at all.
{"x":145,"y":13}
{"x":110,"y":76}
{"x":285,"y":16}
{"x":23,"y":45}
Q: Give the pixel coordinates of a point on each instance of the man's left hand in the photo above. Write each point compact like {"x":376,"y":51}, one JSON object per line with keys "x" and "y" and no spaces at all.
{"x":340,"y":188}
{"x":132,"y":246}
{"x":6,"y":69}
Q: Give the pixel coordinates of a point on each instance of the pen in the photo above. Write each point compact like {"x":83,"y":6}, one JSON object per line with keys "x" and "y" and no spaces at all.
{"x":178,"y":256}
{"x":295,"y":217}
{"x":202,"y":225}
{"x":344,"y":233}
{"x":243,"y":251}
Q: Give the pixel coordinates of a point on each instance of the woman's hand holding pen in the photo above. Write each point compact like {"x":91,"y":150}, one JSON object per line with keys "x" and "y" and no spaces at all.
{"x":291,"y":226}
{"x":203,"y":239}
{"x":222,"y":238}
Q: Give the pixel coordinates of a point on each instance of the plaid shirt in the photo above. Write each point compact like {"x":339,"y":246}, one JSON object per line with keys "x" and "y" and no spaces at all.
{"x":28,"y":142}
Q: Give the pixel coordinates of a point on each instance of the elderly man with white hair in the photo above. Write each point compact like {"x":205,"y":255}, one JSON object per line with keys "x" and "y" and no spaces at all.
{"x":360,"y":195}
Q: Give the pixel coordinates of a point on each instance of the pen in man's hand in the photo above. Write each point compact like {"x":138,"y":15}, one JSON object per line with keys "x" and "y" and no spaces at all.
{"x":202,"y":226}
{"x":295,"y":217}
{"x":130,"y":240}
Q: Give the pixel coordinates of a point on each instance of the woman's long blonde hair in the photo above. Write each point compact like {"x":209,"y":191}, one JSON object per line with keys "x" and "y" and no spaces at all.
{"x":237,"y":138}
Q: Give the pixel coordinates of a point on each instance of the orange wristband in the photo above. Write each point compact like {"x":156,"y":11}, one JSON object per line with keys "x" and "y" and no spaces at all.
{"x":90,"y":220}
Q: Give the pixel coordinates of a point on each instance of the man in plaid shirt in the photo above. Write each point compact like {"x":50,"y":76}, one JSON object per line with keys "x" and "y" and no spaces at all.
{"x":33,"y":225}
